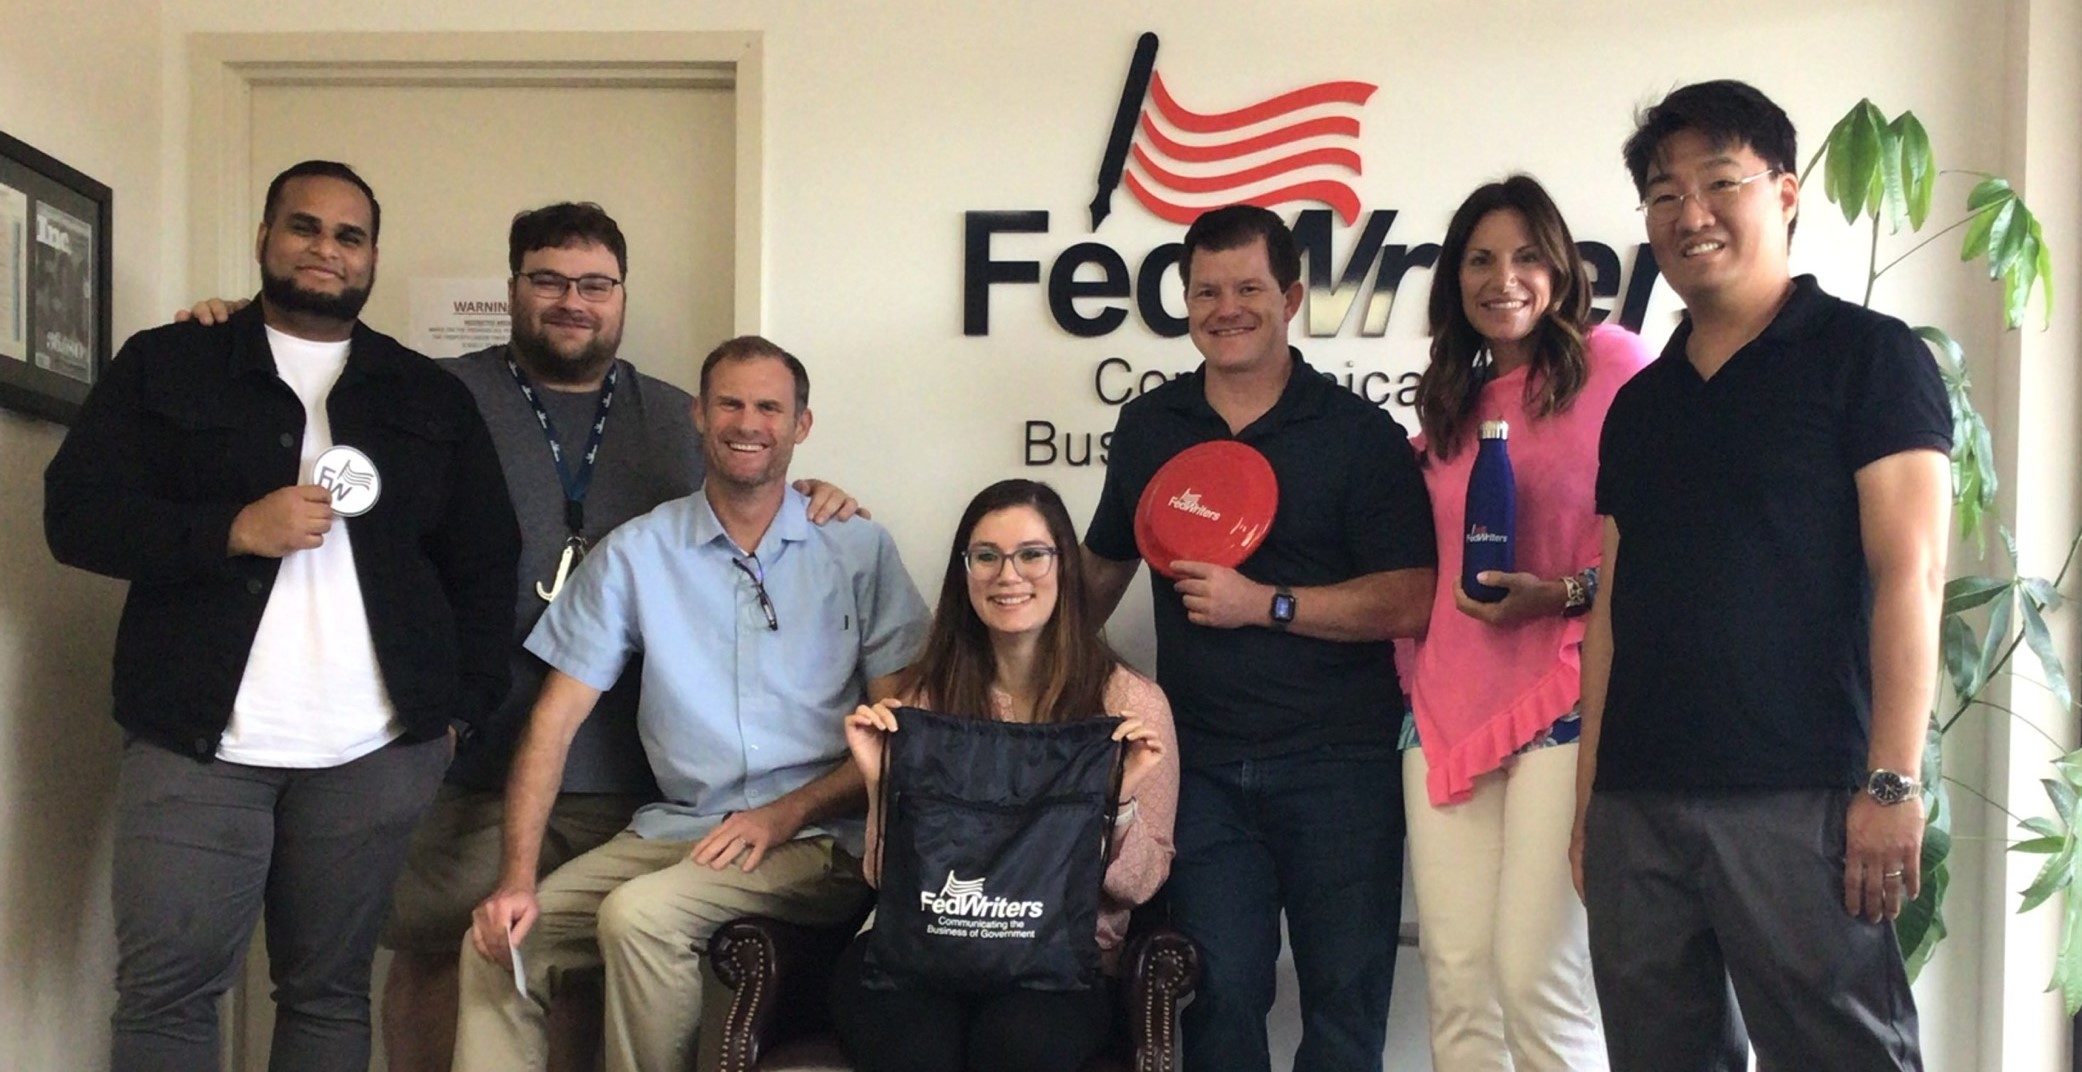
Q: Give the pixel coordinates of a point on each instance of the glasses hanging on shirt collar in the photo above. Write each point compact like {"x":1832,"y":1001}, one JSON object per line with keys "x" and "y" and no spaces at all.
{"x":756,"y":573}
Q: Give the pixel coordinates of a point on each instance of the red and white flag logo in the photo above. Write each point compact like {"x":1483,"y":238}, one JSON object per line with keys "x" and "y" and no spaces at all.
{"x":1301,"y":145}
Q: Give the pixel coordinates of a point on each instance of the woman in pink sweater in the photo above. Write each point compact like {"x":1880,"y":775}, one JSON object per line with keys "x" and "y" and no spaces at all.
{"x":1490,"y":764}
{"x":1013,"y":637}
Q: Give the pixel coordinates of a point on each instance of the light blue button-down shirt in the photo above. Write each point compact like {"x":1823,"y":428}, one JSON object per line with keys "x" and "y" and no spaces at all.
{"x":735,"y":715}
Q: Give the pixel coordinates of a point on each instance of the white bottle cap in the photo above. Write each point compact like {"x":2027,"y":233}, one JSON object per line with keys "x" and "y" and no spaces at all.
{"x":1496,"y":429}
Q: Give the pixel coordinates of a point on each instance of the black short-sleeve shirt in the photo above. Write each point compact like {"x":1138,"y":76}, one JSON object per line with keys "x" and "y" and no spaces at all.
{"x":1741,"y":603}
{"x":1351,"y":502}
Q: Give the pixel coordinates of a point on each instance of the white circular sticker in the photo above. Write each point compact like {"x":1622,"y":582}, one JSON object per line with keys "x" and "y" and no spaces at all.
{"x":351,"y":477}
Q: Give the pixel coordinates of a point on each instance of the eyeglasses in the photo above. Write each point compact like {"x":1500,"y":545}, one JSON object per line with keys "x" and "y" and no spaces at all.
{"x":757,"y":575}
{"x":552,"y":285}
{"x":1717,"y":195}
{"x":1031,"y":562}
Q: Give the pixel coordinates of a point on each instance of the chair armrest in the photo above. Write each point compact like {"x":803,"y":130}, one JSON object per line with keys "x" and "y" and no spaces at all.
{"x":1158,"y":972}
{"x":779,"y":975}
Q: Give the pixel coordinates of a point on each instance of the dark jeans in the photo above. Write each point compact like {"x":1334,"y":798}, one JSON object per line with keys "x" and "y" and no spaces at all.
{"x":1692,"y":895}
{"x":202,"y":849}
{"x":919,"y":1030}
{"x":1318,"y":834}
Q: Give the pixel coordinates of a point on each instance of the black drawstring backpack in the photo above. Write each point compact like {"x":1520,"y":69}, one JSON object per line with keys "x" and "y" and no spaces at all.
{"x":994,"y":843}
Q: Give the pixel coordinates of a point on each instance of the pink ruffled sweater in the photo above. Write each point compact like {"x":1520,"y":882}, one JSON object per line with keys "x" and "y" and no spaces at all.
{"x":1480,"y":692}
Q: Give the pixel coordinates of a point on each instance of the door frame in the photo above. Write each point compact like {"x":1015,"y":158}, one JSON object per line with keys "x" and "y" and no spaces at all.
{"x":223,"y":204}
{"x":224,"y":69}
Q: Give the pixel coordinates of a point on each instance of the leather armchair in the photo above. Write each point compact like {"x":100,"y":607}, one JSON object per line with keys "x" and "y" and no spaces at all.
{"x":778,"y":1018}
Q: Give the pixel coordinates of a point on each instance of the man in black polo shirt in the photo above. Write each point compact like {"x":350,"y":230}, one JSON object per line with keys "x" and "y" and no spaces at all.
{"x":321,"y":555}
{"x":1279,"y":672}
{"x":1758,"y":675}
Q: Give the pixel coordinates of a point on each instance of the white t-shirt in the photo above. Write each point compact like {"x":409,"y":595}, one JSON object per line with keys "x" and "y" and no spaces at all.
{"x":313,"y":695}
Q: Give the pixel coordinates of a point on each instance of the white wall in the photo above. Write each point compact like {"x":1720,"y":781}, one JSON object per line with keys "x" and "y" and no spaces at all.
{"x":80,"y":80}
{"x":885,"y":122}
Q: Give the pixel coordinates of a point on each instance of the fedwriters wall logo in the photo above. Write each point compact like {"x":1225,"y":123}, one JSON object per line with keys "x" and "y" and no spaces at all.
{"x":963,"y":910}
{"x":1193,"y":161}
{"x":1297,"y":151}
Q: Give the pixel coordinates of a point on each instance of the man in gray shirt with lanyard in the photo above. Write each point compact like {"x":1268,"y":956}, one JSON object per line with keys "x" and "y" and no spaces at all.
{"x":586,"y":442}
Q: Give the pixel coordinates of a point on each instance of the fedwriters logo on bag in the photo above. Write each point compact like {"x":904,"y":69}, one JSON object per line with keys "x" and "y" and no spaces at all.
{"x":963,"y":910}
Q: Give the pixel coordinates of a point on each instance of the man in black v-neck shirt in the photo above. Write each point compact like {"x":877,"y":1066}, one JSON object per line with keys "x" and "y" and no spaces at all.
{"x":1757,"y":679}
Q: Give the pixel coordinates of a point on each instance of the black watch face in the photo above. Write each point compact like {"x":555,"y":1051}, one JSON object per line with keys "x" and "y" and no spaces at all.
{"x":1282,"y":608}
{"x":1888,"y":787}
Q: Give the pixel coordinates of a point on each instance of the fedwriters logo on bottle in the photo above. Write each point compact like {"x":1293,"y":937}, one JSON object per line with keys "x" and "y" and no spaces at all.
{"x":1481,"y":534}
{"x":963,"y":910}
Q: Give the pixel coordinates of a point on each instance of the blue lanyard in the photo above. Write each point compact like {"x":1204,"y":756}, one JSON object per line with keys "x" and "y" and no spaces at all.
{"x":575,"y":484}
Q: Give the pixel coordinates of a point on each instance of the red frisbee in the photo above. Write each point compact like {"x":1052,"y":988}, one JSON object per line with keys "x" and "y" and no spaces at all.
{"x":1210,"y":503}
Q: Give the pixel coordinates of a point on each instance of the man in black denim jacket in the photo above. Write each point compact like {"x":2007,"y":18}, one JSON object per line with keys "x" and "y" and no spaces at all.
{"x":292,"y":682}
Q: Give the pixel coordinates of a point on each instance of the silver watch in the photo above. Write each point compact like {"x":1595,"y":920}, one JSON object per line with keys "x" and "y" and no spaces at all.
{"x":1887,"y":787}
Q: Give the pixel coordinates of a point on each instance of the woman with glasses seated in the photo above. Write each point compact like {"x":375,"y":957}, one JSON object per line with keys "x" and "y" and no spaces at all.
{"x":1013,"y":637}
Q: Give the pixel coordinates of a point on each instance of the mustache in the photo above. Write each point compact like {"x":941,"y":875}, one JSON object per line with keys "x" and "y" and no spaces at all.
{"x":568,"y":318}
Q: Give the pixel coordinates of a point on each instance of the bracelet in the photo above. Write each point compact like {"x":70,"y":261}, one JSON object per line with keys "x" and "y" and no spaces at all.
{"x":1125,"y":814}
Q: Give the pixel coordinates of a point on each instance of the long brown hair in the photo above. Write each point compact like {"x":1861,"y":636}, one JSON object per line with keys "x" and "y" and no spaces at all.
{"x":1452,"y":382}
{"x":1074,"y":663}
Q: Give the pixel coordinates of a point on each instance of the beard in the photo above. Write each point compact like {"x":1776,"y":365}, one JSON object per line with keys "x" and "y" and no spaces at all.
{"x":283,"y":293}
{"x":532,"y":349}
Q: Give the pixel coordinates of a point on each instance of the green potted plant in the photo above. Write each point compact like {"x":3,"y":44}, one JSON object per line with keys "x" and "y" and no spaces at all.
{"x":1883,"y":171}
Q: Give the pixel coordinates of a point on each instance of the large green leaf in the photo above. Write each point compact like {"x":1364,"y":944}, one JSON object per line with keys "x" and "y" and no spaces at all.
{"x":1850,"y":174}
{"x":1992,"y":644}
{"x":2063,"y":796}
{"x":1921,"y":925}
{"x":1884,"y":198}
{"x":2067,"y":959}
{"x":1961,"y":650}
{"x":1918,"y":167}
{"x":1973,"y":453}
{"x":1965,"y":593}
{"x":2004,"y":231}
{"x":1987,"y":199}
{"x":2040,"y":641}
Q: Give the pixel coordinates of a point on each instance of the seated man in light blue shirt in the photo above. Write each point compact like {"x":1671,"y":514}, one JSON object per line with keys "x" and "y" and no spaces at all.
{"x":762,"y":631}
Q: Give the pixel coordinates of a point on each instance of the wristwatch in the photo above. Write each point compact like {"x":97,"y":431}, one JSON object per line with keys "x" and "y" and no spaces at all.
{"x":1887,"y":787}
{"x":1282,"y":607}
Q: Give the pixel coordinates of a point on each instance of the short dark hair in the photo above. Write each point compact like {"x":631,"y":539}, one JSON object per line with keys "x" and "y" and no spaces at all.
{"x":561,"y":226}
{"x":328,"y":169}
{"x":750,"y":347}
{"x":1236,"y":226}
{"x":1725,"y":113}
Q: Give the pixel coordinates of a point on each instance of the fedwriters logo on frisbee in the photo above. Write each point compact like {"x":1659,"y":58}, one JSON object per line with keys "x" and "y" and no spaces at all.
{"x":1189,"y":501}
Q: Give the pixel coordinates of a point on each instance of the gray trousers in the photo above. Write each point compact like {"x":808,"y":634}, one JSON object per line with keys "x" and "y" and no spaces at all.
{"x":1717,"y":919}
{"x":202,"y":849}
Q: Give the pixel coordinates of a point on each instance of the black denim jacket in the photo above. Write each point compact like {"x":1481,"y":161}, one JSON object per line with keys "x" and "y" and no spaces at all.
{"x":191,"y":423}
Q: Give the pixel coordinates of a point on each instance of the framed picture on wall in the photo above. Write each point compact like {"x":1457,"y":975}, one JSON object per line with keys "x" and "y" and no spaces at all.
{"x":55,"y":254}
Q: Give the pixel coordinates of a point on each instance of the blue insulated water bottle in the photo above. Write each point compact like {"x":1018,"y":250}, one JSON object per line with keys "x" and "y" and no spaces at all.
{"x":1492,"y":514}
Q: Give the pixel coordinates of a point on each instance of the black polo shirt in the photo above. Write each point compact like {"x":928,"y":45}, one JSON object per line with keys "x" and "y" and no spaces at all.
{"x":1741,"y":603}
{"x":1351,"y":502}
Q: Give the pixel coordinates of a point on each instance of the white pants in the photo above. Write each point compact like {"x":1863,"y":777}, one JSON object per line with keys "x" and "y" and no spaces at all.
{"x":1506,"y":951}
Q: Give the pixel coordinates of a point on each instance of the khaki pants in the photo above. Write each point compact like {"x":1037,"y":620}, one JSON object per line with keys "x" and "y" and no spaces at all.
{"x":454,"y":859}
{"x":643,"y":911}
{"x":1506,"y":951}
